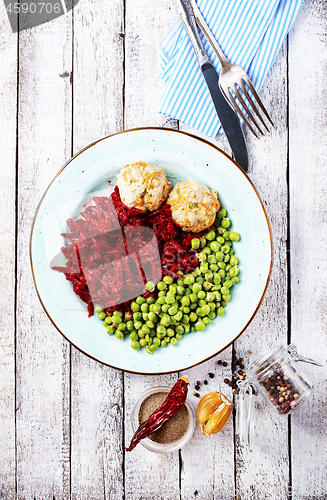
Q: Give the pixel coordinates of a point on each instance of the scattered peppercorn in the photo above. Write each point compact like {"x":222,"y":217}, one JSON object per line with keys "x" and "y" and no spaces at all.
{"x":205,"y":382}
{"x":219,"y":362}
{"x":250,"y":351}
{"x":197,"y":387}
{"x":196,"y":394}
{"x":224,"y":363}
{"x":226,"y":380}
{"x":241,"y":366}
{"x":211,"y":375}
{"x":241,"y":359}
{"x":198,"y":382}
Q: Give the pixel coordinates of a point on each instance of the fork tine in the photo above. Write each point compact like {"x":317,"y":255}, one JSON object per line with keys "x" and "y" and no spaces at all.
{"x":231,"y":100}
{"x":243,"y":103}
{"x":254,"y":107}
{"x":257,"y":98}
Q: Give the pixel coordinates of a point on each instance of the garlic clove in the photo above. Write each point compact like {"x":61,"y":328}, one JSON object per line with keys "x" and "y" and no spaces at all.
{"x":218,"y":419}
{"x":207,"y":405}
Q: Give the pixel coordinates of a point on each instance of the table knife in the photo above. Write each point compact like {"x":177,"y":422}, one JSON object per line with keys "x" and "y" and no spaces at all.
{"x":225,"y":112}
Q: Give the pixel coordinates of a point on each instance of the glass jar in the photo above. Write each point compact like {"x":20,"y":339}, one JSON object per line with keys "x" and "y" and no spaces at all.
{"x":278,"y":379}
{"x":163,"y":447}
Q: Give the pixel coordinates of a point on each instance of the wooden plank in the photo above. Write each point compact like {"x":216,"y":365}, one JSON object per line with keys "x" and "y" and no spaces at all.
{"x":8,"y":91}
{"x":308,"y":187}
{"x":256,"y":471}
{"x":97,"y":390}
{"x":146,"y":25}
{"x":43,"y":362}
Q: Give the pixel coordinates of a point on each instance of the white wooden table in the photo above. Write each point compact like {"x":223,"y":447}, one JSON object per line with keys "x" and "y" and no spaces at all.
{"x":64,"y":417}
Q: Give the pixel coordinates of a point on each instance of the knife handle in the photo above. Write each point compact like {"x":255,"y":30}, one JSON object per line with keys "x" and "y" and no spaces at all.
{"x":187,"y":18}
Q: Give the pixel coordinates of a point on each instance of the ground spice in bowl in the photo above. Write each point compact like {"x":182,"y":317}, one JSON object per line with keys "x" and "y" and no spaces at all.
{"x":172,"y":430}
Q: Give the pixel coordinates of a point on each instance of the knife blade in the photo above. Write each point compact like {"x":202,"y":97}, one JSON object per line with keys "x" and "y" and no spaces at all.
{"x":227,"y":116}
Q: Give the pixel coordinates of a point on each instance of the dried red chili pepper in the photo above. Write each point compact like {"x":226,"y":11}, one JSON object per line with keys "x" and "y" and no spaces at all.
{"x":175,"y":400}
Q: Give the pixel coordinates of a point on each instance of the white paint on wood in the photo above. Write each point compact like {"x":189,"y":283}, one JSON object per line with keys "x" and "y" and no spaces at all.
{"x":308,"y":202}
{"x":8,"y":86}
{"x":97,"y":390}
{"x":43,"y":366}
{"x":264,"y":472}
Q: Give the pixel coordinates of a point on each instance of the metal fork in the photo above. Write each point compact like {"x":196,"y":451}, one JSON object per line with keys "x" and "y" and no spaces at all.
{"x":232,"y":78}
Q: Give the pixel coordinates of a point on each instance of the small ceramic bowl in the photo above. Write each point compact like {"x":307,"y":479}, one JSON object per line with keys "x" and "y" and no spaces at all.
{"x":153,"y":445}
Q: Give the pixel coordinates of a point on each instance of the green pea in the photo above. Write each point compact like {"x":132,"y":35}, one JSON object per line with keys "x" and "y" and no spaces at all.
{"x":148,"y":339}
{"x":144,"y":308}
{"x":202,"y":241}
{"x":173,"y":341}
{"x":208,"y":276}
{"x":214,"y":246}
{"x":229,"y":244}
{"x":138,"y":325}
{"x":178,"y":316}
{"x":227,"y":257}
{"x":180,"y":290}
{"x":225,"y":223}
{"x":185,"y":319}
{"x":205,"y":310}
{"x":102,"y":315}
{"x":219,"y":256}
{"x":145,"y":329}
{"x":217,"y":279}
{"x":150,"y":324}
{"x":152,"y":317}
{"x":119,"y":335}
{"x":189,"y":279}
{"x":200,"y":280}
{"x":165,"y":307}
{"x":212,"y":259}
{"x":201,"y":294}
{"x":217,"y":296}
{"x":204,"y":268}
{"x":193,"y":329}
{"x":212,"y":306}
{"x":163,"y":343}
{"x":134,"y":306}
{"x":199,"y":326}
{"x":223,"y":303}
{"x":220,"y":230}
{"x":202,"y":256}
{"x":235,"y":279}
{"x":143,"y":342}
{"x":140,"y":300}
{"x":199,"y":312}
{"x":228,"y":284}
{"x":122,"y":327}
{"x":212,"y":315}
{"x":206,"y":320}
{"x":221,"y":311}
{"x":165,"y":320}
{"x":168,"y":279}
{"x":187,"y":328}
{"x":234,"y":260}
{"x":213,"y":267}
{"x":193,"y":306}
{"x":150,"y":286}
{"x":172,"y":289}
{"x":156,"y":341}
{"x":188,"y":291}
{"x":152,"y":333}
{"x":221,"y":265}
{"x":193,"y":317}
{"x":149,"y":350}
{"x":222,"y":273}
{"x":221,"y":213}
{"x":108,"y":320}
{"x":162,"y":286}
{"x":170,"y":332}
{"x":161,"y":329}
{"x":150,"y":300}
{"x":180,"y":282}
{"x":234,"y":236}
{"x":136,"y":345}
{"x":185,"y":301}
{"x":195,"y":243}
{"x":179,"y":335}
{"x":116,"y":320}
{"x":99,"y":309}
{"x":193,"y":296}
{"x":156,"y":308}
{"x":210,"y":297}
{"x":186,"y":310}
{"x":226,"y":297}
{"x":220,"y":240}
{"x":179,"y":330}
{"x":167,"y":339}
{"x":162,"y":293}
{"x":134,"y":336}
{"x":207,"y":285}
{"x":169,"y":299}
{"x":196,"y":288}
{"x":210,"y":235}
{"x":172,"y":311}
{"x":110,"y":330}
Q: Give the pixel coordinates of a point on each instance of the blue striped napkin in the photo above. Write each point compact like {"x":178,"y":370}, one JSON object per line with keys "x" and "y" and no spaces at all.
{"x":250,"y":33}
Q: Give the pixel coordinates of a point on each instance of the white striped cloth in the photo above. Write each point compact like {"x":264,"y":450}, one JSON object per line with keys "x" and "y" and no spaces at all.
{"x":250,"y":33}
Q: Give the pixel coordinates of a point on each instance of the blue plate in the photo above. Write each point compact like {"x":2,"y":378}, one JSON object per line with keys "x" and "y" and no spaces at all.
{"x":183,"y":157}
